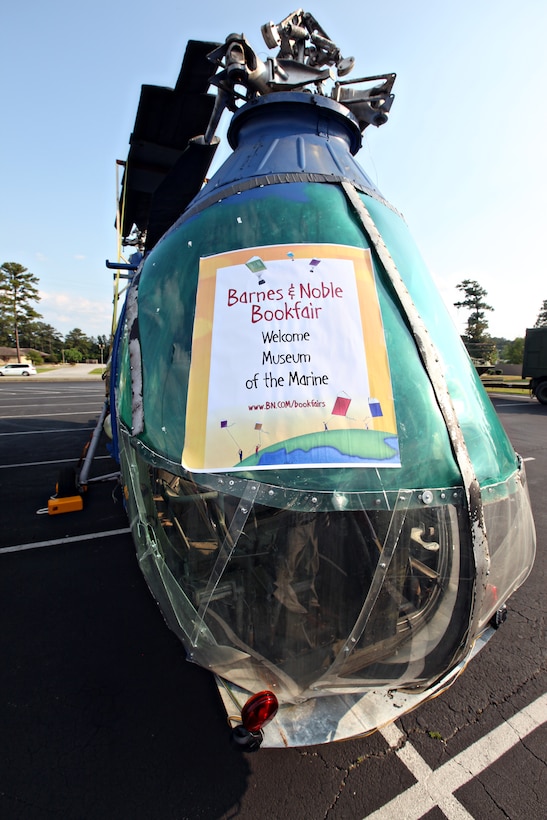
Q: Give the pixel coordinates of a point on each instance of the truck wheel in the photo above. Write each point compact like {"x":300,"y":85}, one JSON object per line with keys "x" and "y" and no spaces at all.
{"x":541,"y":392}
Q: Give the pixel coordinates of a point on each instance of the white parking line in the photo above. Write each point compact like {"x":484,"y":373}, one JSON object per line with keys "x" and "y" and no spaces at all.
{"x":503,"y":404}
{"x":437,"y":787}
{"x":42,"y":390}
{"x":35,"y":432}
{"x":50,"y":414}
{"x":71,"y":460}
{"x":56,"y":542}
{"x":90,"y":402}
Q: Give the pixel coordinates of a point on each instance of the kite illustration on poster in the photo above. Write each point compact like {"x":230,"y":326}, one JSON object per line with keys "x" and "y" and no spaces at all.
{"x":280,"y":334}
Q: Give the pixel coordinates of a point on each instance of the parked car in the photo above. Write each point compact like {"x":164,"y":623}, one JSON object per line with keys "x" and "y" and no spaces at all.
{"x":18,"y":370}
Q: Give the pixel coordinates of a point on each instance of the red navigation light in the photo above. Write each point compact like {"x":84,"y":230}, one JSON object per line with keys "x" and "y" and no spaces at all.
{"x":491,"y":596}
{"x":259,"y":710}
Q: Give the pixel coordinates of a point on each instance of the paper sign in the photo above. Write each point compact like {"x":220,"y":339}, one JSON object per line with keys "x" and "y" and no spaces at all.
{"x":278,"y":361}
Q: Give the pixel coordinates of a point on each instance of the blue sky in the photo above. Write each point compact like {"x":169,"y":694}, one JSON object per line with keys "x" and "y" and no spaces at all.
{"x":463,"y":155}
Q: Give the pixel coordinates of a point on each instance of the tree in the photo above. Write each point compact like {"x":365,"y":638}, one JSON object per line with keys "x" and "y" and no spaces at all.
{"x":45,"y":338}
{"x":6,"y":330}
{"x":541,"y":320}
{"x":78,"y":340}
{"x":477,"y":340}
{"x":514,"y":351}
{"x":501,"y":343}
{"x":102,"y":344}
{"x":17,"y":290}
{"x":73,"y":356}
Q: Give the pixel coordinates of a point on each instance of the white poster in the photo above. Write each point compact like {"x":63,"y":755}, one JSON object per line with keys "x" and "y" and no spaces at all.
{"x":289,"y":363}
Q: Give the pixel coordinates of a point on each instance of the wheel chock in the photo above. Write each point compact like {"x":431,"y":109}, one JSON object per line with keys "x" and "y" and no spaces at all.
{"x":71,"y":503}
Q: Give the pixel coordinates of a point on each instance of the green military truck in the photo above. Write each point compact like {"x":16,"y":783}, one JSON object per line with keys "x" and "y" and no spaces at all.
{"x":534,"y":363}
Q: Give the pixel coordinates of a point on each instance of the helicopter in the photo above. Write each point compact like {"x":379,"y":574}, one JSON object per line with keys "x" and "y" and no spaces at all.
{"x":323,"y":501}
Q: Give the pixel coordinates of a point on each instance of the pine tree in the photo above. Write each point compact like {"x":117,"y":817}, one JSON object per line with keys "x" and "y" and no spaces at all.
{"x":477,"y":340}
{"x":541,"y":320}
{"x":17,"y":290}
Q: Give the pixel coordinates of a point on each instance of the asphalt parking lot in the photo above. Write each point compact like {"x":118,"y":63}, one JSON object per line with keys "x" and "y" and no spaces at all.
{"x":102,"y":717}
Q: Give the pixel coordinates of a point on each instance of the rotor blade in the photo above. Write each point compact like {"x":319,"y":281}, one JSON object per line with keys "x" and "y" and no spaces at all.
{"x":179,"y":187}
{"x":167,"y":119}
